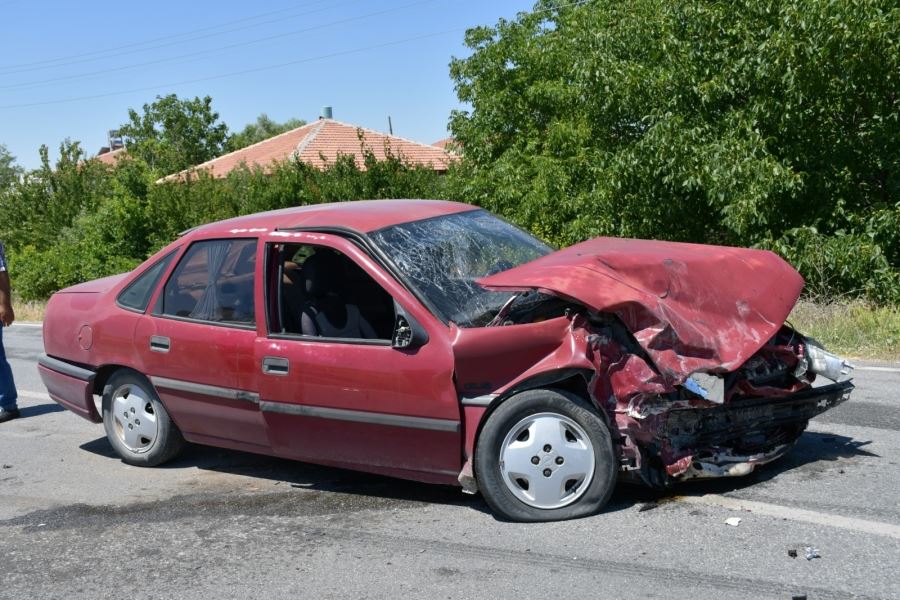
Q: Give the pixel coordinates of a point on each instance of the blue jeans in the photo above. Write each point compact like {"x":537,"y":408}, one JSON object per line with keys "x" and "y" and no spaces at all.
{"x":8,"y":394}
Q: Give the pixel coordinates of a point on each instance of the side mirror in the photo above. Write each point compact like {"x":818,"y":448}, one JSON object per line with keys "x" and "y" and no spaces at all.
{"x":408,"y":333}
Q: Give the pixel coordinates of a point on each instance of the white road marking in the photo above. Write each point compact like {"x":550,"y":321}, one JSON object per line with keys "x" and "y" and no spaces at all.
{"x":795,"y":514}
{"x":882,"y":369}
{"x":26,"y":324}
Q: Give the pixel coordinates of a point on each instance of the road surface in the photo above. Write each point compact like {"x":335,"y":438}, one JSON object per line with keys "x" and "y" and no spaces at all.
{"x":75,"y":522}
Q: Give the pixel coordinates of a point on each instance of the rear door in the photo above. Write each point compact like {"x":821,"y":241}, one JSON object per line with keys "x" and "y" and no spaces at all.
{"x":358,"y":402}
{"x":196,"y":345}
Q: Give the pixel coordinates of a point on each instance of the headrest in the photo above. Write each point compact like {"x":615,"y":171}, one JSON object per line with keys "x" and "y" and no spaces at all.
{"x":322,"y":273}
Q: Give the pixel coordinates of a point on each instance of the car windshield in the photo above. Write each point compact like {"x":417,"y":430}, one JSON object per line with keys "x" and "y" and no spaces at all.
{"x":444,"y":256}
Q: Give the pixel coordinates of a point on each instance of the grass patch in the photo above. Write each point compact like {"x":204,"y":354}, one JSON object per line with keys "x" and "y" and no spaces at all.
{"x":853,"y":329}
{"x":28,"y":311}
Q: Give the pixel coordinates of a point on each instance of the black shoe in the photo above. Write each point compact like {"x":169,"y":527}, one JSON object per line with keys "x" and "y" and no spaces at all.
{"x":8,"y":414}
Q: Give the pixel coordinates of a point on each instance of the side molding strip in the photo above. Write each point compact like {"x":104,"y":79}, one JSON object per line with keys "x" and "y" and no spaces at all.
{"x":61,"y":366}
{"x":205,"y":390}
{"x":478,"y":400}
{"x":358,"y":416}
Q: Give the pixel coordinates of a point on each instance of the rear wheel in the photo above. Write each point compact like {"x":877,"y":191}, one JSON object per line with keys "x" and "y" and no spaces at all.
{"x":136,"y":422}
{"x":545,"y":455}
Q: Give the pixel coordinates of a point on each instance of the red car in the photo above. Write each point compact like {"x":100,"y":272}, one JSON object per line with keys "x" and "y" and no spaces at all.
{"x":433,"y":341}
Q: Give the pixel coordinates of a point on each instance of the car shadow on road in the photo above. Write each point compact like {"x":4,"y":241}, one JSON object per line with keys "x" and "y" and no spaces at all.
{"x":812,"y":449}
{"x":295,"y":474}
{"x":814,"y":452}
{"x":41,"y":409}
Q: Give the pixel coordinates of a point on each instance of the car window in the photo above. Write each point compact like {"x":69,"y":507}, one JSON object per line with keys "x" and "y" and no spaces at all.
{"x":322,"y":293}
{"x":137,"y":294}
{"x":214,"y":282}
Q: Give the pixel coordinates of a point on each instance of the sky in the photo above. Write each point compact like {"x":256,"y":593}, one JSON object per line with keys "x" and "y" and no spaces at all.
{"x":73,"y":69}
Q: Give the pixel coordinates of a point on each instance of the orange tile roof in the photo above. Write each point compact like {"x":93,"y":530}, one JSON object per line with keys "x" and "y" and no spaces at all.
{"x":323,"y":139}
{"x":111,"y":158}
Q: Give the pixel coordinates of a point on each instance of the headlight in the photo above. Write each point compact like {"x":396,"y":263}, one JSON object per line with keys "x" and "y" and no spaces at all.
{"x":824,"y":363}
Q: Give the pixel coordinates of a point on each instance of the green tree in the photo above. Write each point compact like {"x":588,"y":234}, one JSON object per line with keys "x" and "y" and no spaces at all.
{"x":739,"y":123}
{"x":262,"y":129}
{"x":172,"y":134}
{"x":9,"y":170}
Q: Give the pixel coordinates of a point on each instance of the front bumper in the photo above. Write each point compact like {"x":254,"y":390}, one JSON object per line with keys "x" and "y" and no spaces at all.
{"x":733,"y":439}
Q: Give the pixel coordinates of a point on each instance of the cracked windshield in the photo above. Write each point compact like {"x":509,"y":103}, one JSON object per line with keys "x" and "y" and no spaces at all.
{"x":443,"y":258}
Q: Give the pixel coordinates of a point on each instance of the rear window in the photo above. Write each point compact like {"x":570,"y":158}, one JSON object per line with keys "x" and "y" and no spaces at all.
{"x":137,"y":295}
{"x":214,"y":282}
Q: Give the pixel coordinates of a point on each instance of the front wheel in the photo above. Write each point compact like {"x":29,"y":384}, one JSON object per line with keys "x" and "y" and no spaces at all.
{"x":136,"y":422}
{"x":545,"y":455}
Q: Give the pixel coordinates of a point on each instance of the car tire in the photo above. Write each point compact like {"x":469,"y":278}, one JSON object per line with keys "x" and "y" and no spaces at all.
{"x":545,"y":455}
{"x":136,"y":422}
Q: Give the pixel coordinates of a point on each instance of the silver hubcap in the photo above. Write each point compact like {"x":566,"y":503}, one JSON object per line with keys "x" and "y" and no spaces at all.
{"x":547,"y":460}
{"x":134,"y":419}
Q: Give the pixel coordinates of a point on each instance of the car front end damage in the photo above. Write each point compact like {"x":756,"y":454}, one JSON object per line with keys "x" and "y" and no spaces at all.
{"x":691,"y":357}
{"x":711,"y":424}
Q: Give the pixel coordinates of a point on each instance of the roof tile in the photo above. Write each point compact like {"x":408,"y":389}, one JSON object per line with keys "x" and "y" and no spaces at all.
{"x":319,"y":144}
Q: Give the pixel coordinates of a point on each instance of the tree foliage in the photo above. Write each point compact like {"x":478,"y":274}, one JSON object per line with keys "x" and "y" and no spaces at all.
{"x":767,"y":123}
{"x":262,"y":129}
{"x":172,"y":134}
{"x":76,"y":220}
{"x":772,"y":123}
{"x":9,"y":170}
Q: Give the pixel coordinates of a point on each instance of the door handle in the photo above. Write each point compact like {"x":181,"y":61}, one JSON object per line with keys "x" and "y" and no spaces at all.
{"x":275,"y":365}
{"x":159,"y":343}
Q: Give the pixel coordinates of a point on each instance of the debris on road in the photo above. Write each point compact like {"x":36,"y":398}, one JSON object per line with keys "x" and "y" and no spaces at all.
{"x":792,"y":553}
{"x":733,"y":521}
{"x":812,"y":553}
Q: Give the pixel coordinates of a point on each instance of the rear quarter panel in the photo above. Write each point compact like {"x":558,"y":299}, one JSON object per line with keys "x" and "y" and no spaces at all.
{"x":89,"y":329}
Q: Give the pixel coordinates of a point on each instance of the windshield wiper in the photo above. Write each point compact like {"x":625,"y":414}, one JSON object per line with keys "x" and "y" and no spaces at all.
{"x":504,"y":311}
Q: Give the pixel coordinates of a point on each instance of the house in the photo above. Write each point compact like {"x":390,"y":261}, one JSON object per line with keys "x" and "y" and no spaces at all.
{"x":110,"y":157}
{"x":319,"y":144}
{"x":115,"y":151}
{"x":448,"y":143}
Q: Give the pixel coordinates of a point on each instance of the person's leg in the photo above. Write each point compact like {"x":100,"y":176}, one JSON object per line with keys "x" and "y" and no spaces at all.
{"x":8,"y":394}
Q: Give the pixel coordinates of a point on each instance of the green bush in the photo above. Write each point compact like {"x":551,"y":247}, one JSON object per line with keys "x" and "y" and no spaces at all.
{"x":772,"y":123}
{"x":80,"y":220}
{"x":765,"y":123}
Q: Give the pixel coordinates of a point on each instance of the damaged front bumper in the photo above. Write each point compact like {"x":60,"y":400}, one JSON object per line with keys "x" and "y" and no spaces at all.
{"x":733,"y":439}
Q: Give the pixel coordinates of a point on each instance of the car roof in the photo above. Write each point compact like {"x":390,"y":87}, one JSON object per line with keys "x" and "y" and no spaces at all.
{"x":359,"y":215}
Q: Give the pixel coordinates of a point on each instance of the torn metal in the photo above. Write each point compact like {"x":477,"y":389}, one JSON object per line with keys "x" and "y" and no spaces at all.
{"x":683,"y":348}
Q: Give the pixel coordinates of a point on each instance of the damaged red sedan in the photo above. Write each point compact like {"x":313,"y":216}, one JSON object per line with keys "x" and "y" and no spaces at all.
{"x":433,"y":341}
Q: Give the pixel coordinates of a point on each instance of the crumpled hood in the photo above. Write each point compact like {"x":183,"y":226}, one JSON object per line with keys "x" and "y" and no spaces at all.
{"x":95,"y":286}
{"x":690,"y":306}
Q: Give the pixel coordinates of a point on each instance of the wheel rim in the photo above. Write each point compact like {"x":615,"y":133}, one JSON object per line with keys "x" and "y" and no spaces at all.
{"x":547,"y":460}
{"x":134,"y":418}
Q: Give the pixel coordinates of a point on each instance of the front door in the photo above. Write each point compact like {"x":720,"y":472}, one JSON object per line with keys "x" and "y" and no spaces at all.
{"x":340,"y":393}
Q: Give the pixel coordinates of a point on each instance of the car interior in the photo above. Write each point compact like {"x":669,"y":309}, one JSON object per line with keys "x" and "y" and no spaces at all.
{"x":214,"y":282}
{"x":322,"y":293}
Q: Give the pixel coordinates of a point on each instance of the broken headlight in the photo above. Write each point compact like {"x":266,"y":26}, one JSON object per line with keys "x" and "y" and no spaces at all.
{"x":822,"y":362}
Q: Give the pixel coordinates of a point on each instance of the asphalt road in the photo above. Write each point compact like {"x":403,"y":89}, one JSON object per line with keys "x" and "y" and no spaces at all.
{"x":75,"y":522}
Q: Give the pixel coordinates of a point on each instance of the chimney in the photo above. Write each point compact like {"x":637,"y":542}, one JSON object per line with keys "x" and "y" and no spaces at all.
{"x":326,"y":112}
